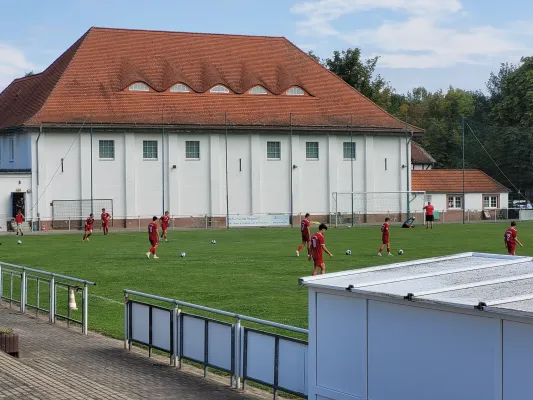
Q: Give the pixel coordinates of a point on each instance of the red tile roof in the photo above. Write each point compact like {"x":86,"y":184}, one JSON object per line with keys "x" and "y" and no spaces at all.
{"x":419,"y":155}
{"x":451,"y":181}
{"x":90,"y":78}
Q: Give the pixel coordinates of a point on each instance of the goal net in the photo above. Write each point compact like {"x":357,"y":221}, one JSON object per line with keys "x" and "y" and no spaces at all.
{"x":363,"y":207}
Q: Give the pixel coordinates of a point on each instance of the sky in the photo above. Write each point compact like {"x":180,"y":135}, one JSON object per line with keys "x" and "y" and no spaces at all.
{"x":430,"y":43}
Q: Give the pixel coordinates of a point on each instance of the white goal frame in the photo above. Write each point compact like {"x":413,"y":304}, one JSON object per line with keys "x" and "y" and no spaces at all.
{"x":361,"y":204}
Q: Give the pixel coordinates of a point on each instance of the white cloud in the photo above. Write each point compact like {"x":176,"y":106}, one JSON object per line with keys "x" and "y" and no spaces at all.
{"x":420,"y":37}
{"x":13,"y":64}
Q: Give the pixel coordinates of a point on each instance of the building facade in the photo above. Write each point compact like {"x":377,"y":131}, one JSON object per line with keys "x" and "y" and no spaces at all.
{"x":141,"y":129}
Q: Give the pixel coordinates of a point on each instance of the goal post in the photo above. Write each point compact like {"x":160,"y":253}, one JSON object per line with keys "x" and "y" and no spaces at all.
{"x":352,"y":208}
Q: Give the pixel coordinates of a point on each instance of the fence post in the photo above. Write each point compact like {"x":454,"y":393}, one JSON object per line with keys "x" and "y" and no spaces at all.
{"x":52,"y":302}
{"x":1,"y":284}
{"x":175,"y":334}
{"x":69,"y":224}
{"x":126,"y":321}
{"x":139,"y":218}
{"x":23,"y":292}
{"x":206,"y":221}
{"x":85,"y":316}
{"x":237,"y":353}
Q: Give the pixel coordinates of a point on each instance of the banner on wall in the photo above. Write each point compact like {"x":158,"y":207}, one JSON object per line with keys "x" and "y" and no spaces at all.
{"x":259,"y":220}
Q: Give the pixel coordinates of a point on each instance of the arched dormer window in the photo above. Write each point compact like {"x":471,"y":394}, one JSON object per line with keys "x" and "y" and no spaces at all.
{"x":180,"y":88}
{"x":139,"y":87}
{"x":258,"y":90}
{"x":295,"y":91}
{"x":219,"y":89}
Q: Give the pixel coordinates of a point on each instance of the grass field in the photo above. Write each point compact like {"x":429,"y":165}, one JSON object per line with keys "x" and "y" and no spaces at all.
{"x":252,"y":272}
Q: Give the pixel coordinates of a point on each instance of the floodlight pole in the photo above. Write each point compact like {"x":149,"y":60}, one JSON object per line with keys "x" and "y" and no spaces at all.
{"x":407,"y":164}
{"x":291,"y":171}
{"x":464,"y":198}
{"x":163,"y":160}
{"x":352,"y":155}
{"x":227,"y":183}
{"x":91,"y":134}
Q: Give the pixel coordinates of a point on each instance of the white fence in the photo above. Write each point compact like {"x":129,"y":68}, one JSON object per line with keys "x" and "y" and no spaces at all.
{"x":246,"y":354}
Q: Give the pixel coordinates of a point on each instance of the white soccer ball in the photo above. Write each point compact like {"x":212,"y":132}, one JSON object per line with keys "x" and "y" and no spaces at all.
{"x":19,"y":242}
{"x":182,"y":254}
{"x":213,"y":241}
{"x":348,"y":252}
{"x":400,"y":252}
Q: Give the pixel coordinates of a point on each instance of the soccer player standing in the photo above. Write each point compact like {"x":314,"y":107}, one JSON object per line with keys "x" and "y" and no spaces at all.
{"x":306,"y":235}
{"x":165,"y":219}
{"x":385,"y":240}
{"x":510,"y":238}
{"x":105,"y":221}
{"x":19,"y":218}
{"x":89,"y":222}
{"x":153,"y":237}
{"x":429,"y":214}
{"x":318,"y":245}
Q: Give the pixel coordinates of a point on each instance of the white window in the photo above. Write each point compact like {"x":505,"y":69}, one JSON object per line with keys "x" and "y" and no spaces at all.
{"x":295,"y":91}
{"x":258,"y":90}
{"x":348,"y":150}
{"x":455,"y":202}
{"x":274,"y":150}
{"x":180,"y":88}
{"x":150,"y":149}
{"x":12,"y":149}
{"x":490,"y":201}
{"x":106,"y":149}
{"x":139,"y":87}
{"x":192,"y":150}
{"x":219,"y":89}
{"x":311,"y":150}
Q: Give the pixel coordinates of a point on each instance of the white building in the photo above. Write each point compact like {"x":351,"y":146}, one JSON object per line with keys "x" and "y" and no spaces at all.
{"x":457,"y":327}
{"x":141,"y":122}
{"x":483,"y":196}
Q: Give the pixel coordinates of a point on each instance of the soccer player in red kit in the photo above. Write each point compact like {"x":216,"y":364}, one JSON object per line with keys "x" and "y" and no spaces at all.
{"x":89,"y":222}
{"x":19,"y":218}
{"x":153,"y":237}
{"x":429,"y":214}
{"x":306,"y":235}
{"x":510,"y":238}
{"x":385,"y":237}
{"x":105,"y":221}
{"x":165,"y":219}
{"x":317,"y":247}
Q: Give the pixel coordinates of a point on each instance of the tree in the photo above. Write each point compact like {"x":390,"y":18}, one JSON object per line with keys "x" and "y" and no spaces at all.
{"x":28,"y":74}
{"x":311,"y":54}
{"x":359,"y":74}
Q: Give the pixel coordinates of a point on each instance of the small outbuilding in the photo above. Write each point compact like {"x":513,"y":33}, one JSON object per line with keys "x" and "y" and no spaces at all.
{"x":457,"y":327}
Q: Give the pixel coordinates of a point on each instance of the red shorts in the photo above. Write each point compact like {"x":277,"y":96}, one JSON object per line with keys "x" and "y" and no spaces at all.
{"x":305,"y":238}
{"x":385,"y":239}
{"x":164,"y":227}
{"x":88,"y":228}
{"x":318,"y":262}
{"x":105,"y":224}
{"x":511,"y":248}
{"x":153,"y":242}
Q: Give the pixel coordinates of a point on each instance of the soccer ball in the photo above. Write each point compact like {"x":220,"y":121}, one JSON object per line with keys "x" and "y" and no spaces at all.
{"x":182,"y":254}
{"x":213,"y":241}
{"x":19,"y":242}
{"x":400,"y":252}
{"x":348,"y":252}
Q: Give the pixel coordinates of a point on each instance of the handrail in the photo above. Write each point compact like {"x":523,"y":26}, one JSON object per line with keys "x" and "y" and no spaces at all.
{"x":51,"y":274}
{"x":215,"y":311}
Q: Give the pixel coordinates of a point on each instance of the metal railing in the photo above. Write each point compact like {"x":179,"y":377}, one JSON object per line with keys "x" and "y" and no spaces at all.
{"x":246,"y":354}
{"x":19,"y":292}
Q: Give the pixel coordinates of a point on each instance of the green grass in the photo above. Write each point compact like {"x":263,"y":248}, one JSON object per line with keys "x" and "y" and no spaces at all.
{"x":252,"y":272}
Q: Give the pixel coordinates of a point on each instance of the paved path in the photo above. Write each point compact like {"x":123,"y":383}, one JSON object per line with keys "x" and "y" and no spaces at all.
{"x":60,"y":363}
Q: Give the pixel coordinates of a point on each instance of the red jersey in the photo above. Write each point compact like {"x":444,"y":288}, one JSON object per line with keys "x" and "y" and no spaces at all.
{"x":305,"y":225}
{"x":429,"y":209}
{"x":105,"y":217}
{"x":152,"y":231}
{"x":317,"y":240}
{"x":164,"y":220}
{"x":510,"y":236}
{"x":89,"y":222}
{"x":385,"y":229}
{"x":19,"y":218}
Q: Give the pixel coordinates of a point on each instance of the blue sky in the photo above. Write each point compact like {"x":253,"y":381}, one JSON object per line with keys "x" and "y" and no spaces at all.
{"x":431,"y":43}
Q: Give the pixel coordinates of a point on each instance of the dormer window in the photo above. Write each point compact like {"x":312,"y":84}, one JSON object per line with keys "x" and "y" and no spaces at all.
{"x":219,"y":89}
{"x":139,"y":87}
{"x":258,"y":90}
{"x":180,"y":88}
{"x":295,"y":91}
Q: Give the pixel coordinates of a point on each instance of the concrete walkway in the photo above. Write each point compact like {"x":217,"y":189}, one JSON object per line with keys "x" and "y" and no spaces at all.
{"x":60,"y":363}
